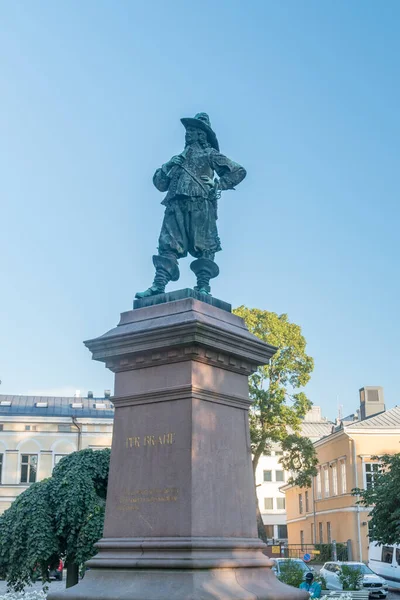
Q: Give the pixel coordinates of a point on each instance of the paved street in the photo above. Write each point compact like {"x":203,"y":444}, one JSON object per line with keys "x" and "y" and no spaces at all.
{"x":54,"y":585}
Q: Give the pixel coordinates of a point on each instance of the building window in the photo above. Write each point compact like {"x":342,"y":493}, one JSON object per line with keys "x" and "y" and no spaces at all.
{"x":306,"y":496}
{"x":321,"y":533}
{"x":279,"y":476}
{"x":267,"y":475}
{"x":334,"y":480}
{"x":64,"y":428}
{"x":269,"y":530}
{"x":27,"y":427}
{"x":268,"y":504}
{"x":371,"y":471}
{"x":28,"y":468}
{"x":326,"y":482}
{"x":1,"y":426}
{"x":312,"y":534}
{"x":301,"y":504}
{"x":302,"y":539}
{"x":328,"y":533}
{"x":280,"y":503}
{"x":1,"y":467}
{"x":282,"y":532}
{"x":318,"y":484}
{"x":343,"y":481}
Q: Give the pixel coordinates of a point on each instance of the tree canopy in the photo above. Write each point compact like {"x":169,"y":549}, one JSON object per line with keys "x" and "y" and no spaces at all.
{"x":59,"y":517}
{"x":383,"y":499}
{"x":279,"y":402}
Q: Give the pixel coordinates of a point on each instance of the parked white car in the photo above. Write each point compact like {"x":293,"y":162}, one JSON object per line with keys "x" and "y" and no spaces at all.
{"x":385,"y":561}
{"x":377,"y":586}
{"x":279,"y":561}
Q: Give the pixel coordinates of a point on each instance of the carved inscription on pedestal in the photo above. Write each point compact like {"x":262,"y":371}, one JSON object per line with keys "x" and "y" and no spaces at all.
{"x":139,"y":499}
{"x":139,"y":441}
{"x":136,"y":500}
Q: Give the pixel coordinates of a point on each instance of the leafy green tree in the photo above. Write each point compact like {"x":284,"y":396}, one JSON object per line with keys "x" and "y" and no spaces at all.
{"x":384,"y":498}
{"x":59,"y":517}
{"x":279,"y":404}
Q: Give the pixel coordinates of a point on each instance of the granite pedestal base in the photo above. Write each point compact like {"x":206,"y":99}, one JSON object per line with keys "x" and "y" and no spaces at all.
{"x":175,"y":584}
{"x":180,"y":517}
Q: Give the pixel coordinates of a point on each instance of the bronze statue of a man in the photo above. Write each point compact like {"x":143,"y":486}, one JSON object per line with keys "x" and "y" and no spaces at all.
{"x":190,"y":219}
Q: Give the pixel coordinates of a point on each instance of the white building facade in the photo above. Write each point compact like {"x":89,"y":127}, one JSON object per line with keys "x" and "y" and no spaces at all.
{"x":36,"y":432}
{"x":270,"y":477}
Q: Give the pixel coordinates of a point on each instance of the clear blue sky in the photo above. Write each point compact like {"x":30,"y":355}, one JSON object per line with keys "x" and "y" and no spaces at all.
{"x":305,"y":94}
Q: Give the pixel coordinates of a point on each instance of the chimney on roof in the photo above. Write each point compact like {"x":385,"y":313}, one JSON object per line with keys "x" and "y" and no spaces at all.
{"x":77,"y":394}
{"x":371,"y":402}
{"x":107,"y":394}
{"x":90,"y":394}
{"x":313,"y":415}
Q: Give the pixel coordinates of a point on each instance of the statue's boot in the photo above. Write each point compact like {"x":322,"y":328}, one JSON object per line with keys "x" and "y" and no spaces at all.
{"x":204,"y":269}
{"x":166,"y":270}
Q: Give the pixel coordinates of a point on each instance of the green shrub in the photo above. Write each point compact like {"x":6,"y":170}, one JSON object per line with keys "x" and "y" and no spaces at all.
{"x":291,"y":572}
{"x":351,"y":578}
{"x":326,"y":552}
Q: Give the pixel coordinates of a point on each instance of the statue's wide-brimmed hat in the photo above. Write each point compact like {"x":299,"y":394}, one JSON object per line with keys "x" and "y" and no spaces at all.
{"x":202,"y":121}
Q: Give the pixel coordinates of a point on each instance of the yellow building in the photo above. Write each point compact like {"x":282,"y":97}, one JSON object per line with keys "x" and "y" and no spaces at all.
{"x":36,"y":432}
{"x":327,"y":511}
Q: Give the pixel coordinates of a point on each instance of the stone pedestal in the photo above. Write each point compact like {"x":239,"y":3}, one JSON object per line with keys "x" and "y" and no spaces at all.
{"x":180,"y":518}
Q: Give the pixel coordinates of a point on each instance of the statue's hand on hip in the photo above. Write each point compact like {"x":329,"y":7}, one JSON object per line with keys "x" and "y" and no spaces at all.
{"x":207,"y":180}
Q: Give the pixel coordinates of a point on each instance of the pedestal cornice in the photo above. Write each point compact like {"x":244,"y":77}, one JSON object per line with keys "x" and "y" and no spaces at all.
{"x":178,"y":331}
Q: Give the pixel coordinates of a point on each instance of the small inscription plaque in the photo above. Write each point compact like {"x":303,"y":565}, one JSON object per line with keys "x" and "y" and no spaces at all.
{"x":135,"y":500}
{"x":139,"y":441}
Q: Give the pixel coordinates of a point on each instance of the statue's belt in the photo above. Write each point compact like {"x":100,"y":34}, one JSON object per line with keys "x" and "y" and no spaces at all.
{"x":206,"y":190}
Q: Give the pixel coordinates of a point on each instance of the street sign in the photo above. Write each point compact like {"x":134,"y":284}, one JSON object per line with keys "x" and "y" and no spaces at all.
{"x":276,"y":549}
{"x":316,"y":551}
{"x":306,"y":558}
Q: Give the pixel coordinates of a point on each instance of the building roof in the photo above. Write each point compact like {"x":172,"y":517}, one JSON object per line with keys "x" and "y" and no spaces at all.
{"x":48,"y":406}
{"x":314,"y":425}
{"x":316,"y":430}
{"x":389,"y":419}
